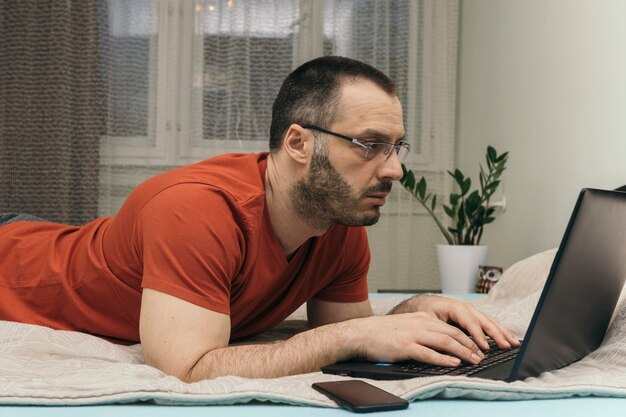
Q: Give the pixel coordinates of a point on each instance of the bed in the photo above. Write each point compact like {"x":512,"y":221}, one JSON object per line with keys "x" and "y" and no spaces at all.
{"x":46,"y":372}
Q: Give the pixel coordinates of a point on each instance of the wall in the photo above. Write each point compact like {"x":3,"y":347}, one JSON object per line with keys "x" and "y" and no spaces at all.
{"x":546,"y":81}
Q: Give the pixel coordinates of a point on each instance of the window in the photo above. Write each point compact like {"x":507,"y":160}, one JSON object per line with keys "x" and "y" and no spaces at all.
{"x":191,"y":79}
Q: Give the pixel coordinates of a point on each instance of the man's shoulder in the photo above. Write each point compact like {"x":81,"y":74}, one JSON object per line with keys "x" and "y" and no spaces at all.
{"x":236,"y":175}
{"x":222,"y":170}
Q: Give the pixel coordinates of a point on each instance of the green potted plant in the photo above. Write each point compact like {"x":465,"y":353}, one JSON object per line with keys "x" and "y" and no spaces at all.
{"x":468,"y":212}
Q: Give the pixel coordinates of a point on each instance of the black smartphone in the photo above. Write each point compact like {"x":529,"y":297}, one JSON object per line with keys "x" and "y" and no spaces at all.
{"x":360,"y":397}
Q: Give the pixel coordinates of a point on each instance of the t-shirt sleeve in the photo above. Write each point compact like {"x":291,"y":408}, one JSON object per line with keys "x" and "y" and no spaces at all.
{"x":192,"y":245}
{"x":350,"y":284}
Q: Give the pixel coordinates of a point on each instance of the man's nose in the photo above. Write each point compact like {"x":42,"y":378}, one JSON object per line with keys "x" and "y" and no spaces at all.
{"x":392,"y":167}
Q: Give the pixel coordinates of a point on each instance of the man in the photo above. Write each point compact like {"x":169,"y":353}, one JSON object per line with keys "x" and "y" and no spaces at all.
{"x":227,"y":248}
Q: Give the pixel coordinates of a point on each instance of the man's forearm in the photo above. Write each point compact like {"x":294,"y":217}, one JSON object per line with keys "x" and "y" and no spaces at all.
{"x":302,"y":353}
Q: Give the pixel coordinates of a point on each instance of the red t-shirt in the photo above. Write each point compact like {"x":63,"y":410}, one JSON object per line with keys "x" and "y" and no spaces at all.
{"x":200,"y":233}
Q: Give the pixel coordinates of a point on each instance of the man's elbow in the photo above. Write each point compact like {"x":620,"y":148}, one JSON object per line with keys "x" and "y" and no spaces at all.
{"x":184,"y":372}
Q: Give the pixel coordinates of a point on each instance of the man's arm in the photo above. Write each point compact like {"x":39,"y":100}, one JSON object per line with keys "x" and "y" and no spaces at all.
{"x":191,"y":342}
{"x":320,"y":312}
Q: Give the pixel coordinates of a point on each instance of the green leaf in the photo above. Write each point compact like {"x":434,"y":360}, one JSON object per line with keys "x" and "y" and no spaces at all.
{"x":434,"y":203}
{"x":458,"y":176}
{"x":490,"y":211}
{"x":492,"y":154}
{"x":502,"y":158}
{"x":421,"y":188}
{"x":493,"y":186}
{"x":488,"y":220}
{"x":472,"y":203}
{"x":449,"y":211}
{"x":466,"y":186}
{"x":405,"y":170}
{"x":454,"y":199}
{"x":410,"y":181}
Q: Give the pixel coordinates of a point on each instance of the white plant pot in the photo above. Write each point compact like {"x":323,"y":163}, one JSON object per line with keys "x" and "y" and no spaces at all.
{"x":458,"y":267}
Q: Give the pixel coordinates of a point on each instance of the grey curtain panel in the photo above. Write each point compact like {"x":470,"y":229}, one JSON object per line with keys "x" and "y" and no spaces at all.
{"x":52,"y":108}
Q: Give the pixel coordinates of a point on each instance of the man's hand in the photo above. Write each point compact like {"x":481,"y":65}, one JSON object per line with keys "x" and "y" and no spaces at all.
{"x":463,"y":314}
{"x":413,"y":336}
{"x":418,"y":336}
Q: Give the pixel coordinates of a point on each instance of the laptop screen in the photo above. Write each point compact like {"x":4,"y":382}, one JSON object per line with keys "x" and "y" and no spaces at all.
{"x":583,"y":287}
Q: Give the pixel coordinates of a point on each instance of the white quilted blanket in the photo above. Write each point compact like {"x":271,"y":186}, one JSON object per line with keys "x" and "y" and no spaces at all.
{"x":43,"y":366}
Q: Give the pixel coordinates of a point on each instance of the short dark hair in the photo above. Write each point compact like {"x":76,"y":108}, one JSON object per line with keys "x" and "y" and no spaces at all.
{"x":310,"y":94}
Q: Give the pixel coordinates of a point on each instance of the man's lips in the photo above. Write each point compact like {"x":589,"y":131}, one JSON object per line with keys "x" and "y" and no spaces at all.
{"x":380,"y":197}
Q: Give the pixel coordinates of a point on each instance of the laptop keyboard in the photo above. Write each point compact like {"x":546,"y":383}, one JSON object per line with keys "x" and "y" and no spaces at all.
{"x":493,"y":356}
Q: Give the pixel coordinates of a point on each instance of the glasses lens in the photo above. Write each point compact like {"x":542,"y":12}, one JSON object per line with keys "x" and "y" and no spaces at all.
{"x":402,"y":150}
{"x":375,"y":150}
{"x":383,"y":150}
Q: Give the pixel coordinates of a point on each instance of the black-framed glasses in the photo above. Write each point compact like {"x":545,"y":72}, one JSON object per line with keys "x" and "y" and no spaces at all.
{"x":373,"y":150}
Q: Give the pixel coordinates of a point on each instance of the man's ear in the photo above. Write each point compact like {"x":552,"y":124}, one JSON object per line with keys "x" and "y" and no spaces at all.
{"x":298,"y":143}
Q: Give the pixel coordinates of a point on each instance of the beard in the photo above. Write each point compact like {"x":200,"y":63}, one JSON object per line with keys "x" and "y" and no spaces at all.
{"x":324,"y":198}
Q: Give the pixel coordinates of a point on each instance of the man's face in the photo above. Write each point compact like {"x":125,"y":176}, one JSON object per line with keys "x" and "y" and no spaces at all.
{"x":342,"y":186}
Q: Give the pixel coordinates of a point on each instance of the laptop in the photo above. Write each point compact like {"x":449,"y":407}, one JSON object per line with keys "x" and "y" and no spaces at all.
{"x":573,"y":312}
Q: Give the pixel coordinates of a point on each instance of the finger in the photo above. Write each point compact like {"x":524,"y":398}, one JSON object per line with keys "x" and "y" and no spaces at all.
{"x":503,"y":330}
{"x":470,"y":319}
{"x":475,"y":328}
{"x":445,"y":343}
{"x":469,"y":342}
{"x":425,"y":354}
{"x":456,"y":338}
{"x":503,"y":338}
{"x":507,"y":333}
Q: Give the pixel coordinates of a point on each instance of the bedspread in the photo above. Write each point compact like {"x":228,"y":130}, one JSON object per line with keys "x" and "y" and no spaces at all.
{"x":47,"y":367}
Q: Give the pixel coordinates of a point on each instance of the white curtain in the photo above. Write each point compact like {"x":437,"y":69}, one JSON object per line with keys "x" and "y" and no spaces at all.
{"x":192,"y":79}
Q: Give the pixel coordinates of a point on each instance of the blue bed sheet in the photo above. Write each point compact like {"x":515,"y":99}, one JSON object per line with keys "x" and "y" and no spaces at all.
{"x":571,"y":407}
